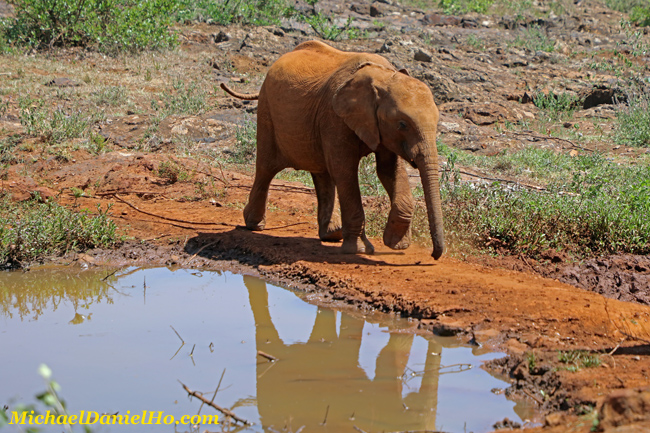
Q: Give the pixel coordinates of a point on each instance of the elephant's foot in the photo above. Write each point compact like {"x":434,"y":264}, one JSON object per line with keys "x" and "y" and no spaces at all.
{"x":359,"y":245}
{"x":333,"y":233}
{"x":397,"y":236}
{"x":255,"y":224}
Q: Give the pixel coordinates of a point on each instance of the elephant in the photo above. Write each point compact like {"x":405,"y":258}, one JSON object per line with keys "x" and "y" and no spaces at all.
{"x":321,"y":110}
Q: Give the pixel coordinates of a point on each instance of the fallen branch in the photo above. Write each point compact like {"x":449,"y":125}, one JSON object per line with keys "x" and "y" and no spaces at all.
{"x":285,"y":226}
{"x":170,"y":219}
{"x":267,"y":356}
{"x":199,"y":251}
{"x":548,"y":137}
{"x":223,"y":410}
{"x":537,"y":400}
{"x":102,"y":194}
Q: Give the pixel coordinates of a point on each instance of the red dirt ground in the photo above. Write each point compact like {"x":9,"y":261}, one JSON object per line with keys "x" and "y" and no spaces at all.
{"x":512,"y":311}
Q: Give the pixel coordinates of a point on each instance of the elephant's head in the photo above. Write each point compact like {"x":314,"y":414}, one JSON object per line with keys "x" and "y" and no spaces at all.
{"x":389,"y":108}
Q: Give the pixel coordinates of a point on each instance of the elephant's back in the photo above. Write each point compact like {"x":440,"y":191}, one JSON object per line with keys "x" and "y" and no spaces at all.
{"x":312,"y":60}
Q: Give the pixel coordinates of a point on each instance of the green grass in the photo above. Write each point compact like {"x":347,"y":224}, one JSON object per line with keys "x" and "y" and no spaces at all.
{"x":111,"y":96}
{"x":54,"y":126}
{"x":245,"y":147}
{"x":534,"y":39}
{"x":638,"y":10}
{"x":326,"y":27}
{"x":577,"y":359}
{"x":633,"y":122}
{"x":557,"y":105}
{"x":465,"y":6}
{"x":32,"y":231}
{"x":224,"y":12}
{"x":172,"y":171}
{"x":182,"y":99}
{"x":599,"y":209}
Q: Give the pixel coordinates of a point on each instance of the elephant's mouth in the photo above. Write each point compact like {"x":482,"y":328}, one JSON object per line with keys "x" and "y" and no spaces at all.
{"x":408,"y":157}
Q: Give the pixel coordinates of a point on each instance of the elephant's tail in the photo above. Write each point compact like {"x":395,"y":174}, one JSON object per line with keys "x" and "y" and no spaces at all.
{"x":248,"y":97}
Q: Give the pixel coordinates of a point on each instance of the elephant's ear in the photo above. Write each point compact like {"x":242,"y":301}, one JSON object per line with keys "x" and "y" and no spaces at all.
{"x":356,"y":103}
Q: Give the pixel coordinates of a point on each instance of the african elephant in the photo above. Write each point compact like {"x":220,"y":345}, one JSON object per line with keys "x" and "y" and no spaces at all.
{"x":322,"y":110}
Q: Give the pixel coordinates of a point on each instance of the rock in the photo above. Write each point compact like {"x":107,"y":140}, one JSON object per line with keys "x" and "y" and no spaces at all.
{"x":624,"y":407}
{"x":487,"y":114}
{"x":62,"y":82}
{"x":440,"y":20}
{"x":442,"y":87}
{"x":43,"y":193}
{"x":555,"y":419}
{"x":599,"y":95}
{"x":377,"y":10}
{"x":221,"y":37}
{"x":422,"y":56}
{"x":506,"y":424}
{"x":360,"y":8}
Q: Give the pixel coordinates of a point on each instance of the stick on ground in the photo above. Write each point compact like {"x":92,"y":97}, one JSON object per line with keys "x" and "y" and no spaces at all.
{"x":223,"y":410}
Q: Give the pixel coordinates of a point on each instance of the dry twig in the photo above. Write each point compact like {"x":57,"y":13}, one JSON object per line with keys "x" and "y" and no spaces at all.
{"x":223,"y":410}
{"x":267,"y":356}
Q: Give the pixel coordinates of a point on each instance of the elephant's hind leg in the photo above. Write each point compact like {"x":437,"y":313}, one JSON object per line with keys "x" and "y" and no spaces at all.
{"x":329,"y":222}
{"x":392,"y":174}
{"x":355,"y":240}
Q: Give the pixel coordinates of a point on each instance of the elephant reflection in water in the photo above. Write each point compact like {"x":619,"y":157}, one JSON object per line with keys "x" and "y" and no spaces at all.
{"x":307,"y":382}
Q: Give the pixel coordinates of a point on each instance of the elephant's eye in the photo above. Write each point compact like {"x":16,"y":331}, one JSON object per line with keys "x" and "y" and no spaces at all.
{"x":401,"y":125}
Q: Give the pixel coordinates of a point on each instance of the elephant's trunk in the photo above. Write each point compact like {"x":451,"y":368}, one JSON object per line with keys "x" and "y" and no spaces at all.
{"x":427,"y":163}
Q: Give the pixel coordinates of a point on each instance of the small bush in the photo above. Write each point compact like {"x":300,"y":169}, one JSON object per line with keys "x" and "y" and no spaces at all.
{"x":54,"y":127}
{"x":172,"y":171}
{"x":534,"y":39}
{"x":107,"y":25}
{"x":556,"y":105}
{"x":577,"y":359}
{"x":326,"y":27}
{"x":633,"y":127}
{"x":638,"y":10}
{"x":369,"y":182}
{"x":464,"y":6}
{"x":111,"y":96}
{"x":32,"y":231}
{"x":246,"y":142}
{"x":256,"y":12}
{"x":184,"y":99}
{"x":640,"y":15}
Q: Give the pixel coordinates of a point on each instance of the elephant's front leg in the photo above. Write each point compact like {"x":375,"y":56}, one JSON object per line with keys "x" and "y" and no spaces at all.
{"x":392,"y":174}
{"x":329,"y":222}
{"x":345,"y":175}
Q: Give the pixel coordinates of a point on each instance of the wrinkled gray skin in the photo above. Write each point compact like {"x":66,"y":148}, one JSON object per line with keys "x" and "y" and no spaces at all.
{"x":322,"y":110}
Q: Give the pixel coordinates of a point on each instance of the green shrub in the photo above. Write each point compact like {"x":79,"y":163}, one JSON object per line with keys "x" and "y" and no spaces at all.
{"x":640,"y":15}
{"x":184,"y":99}
{"x":172,"y":171}
{"x":633,"y":126}
{"x":106,"y":25}
{"x":577,"y":359}
{"x":638,"y":10}
{"x":54,"y":127}
{"x":534,"y":38}
{"x":556,"y":105}
{"x":257,"y":12}
{"x":602,"y":209}
{"x":31,"y":231}
{"x":245,"y":142}
{"x":326,"y":27}
{"x":464,"y":6}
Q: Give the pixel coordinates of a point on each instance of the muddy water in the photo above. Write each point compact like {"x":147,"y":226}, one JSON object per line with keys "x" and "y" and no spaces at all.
{"x":111,"y":347}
